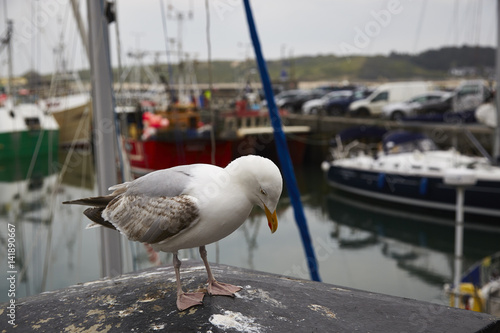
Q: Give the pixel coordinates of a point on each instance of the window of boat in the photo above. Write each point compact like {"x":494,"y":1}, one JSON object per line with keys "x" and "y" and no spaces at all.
{"x":410,"y":146}
{"x":382,"y":96}
{"x":33,"y":123}
{"x":426,"y":145}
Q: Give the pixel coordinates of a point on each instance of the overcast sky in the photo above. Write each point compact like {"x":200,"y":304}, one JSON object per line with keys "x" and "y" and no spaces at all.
{"x":286,"y":27}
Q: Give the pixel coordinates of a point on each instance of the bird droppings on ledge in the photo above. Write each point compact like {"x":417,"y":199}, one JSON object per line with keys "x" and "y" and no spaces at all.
{"x":249,"y":294}
{"x":323,"y":310}
{"x":235,"y":320}
{"x":145,"y":302}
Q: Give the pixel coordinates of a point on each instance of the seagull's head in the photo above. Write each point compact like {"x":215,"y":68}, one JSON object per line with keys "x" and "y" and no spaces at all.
{"x":264,"y":184}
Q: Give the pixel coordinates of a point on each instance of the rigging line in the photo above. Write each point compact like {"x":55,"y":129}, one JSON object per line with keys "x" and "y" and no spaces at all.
{"x":461,"y":28}
{"x":491,"y":34}
{"x":169,"y":63}
{"x":59,"y":57}
{"x":126,"y":174}
{"x":71,"y":31}
{"x":5,"y":16}
{"x":473,"y":23}
{"x":33,"y":39}
{"x":79,"y":225}
{"x":118,"y":49}
{"x":479,"y":6}
{"x":452,"y":33}
{"x":468,"y":17}
{"x":29,"y":257}
{"x":419,"y":26}
{"x":9,"y":24}
{"x":34,"y":157}
{"x":74,"y":72}
{"x":210,"y":109}
{"x":69,"y":155}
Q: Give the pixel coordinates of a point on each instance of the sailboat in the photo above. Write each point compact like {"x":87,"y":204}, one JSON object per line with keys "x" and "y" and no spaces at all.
{"x":25,"y":129}
{"x":70,"y":104}
{"x":409,"y":169}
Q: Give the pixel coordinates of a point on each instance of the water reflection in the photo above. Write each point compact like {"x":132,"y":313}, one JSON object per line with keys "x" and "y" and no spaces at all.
{"x":420,"y":230}
{"x":371,"y":234}
{"x":46,"y":239}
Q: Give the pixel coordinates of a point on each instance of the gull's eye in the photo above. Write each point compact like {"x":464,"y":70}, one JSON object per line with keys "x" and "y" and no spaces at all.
{"x":263,"y":192}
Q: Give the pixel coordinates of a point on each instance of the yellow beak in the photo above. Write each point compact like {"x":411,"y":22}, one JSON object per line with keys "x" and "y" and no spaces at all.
{"x":272,"y":219}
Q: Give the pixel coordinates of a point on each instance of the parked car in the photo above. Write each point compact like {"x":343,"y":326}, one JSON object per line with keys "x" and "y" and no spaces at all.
{"x":470,"y":94}
{"x":292,"y":100}
{"x":334,"y":103}
{"x":331,"y":88}
{"x":316,"y":106}
{"x":339,"y":105}
{"x":442,"y":105}
{"x":399,"y":110}
{"x":385,"y":94}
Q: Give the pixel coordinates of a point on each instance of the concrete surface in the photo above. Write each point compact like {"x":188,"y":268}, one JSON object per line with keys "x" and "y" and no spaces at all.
{"x":145,"y":302}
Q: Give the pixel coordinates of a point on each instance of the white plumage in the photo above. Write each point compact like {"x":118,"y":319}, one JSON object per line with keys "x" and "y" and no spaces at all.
{"x":190,"y":206}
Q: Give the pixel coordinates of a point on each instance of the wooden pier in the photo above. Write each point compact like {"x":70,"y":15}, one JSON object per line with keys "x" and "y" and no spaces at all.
{"x":145,"y":302}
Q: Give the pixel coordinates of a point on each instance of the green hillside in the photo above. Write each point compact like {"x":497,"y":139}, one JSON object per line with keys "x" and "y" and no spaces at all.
{"x":431,"y":64}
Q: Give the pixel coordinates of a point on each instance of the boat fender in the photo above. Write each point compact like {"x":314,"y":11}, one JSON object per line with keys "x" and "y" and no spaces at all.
{"x":381,"y":180}
{"x":423,"y":186}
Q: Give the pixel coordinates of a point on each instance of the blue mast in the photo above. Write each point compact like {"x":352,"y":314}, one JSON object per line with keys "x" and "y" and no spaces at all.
{"x":282,"y":148}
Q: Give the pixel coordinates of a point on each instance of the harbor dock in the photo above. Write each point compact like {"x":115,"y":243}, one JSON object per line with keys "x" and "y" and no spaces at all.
{"x":445,"y":134}
{"x":144,"y":301}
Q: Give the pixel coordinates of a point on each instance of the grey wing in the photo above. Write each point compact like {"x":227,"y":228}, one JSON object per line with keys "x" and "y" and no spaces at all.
{"x":151,"y":219}
{"x":169,"y":182}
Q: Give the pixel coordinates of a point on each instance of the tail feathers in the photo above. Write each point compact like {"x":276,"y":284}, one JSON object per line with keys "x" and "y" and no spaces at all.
{"x":95,"y":201}
{"x":95,"y":214}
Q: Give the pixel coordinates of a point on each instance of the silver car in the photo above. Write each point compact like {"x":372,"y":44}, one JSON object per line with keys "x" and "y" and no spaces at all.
{"x":395,"y":111}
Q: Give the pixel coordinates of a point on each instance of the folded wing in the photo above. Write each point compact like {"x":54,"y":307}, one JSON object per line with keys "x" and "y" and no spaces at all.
{"x":151,"y":219}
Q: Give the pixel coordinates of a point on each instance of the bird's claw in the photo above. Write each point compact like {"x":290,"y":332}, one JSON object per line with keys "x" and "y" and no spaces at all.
{"x":187,"y":300}
{"x":222,"y":289}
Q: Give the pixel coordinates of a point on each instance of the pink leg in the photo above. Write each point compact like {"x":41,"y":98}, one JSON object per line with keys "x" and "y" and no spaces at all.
{"x":185,"y":300}
{"x":215,"y":287}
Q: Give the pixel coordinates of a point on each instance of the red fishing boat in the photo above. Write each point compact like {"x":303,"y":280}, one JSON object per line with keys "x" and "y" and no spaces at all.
{"x":158,"y":139}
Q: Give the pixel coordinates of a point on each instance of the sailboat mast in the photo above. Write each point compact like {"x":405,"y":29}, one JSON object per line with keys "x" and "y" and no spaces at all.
{"x":81,"y":27}
{"x":7,"y":40}
{"x":103,"y":126}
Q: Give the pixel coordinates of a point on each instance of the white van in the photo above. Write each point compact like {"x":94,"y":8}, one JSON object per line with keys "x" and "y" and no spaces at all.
{"x":385,"y":94}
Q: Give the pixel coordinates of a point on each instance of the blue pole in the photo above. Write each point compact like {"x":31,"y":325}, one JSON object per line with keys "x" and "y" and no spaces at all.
{"x":282,"y":148}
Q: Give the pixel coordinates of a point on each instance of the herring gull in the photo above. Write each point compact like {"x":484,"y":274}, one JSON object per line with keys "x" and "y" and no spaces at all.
{"x":190,"y":206}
